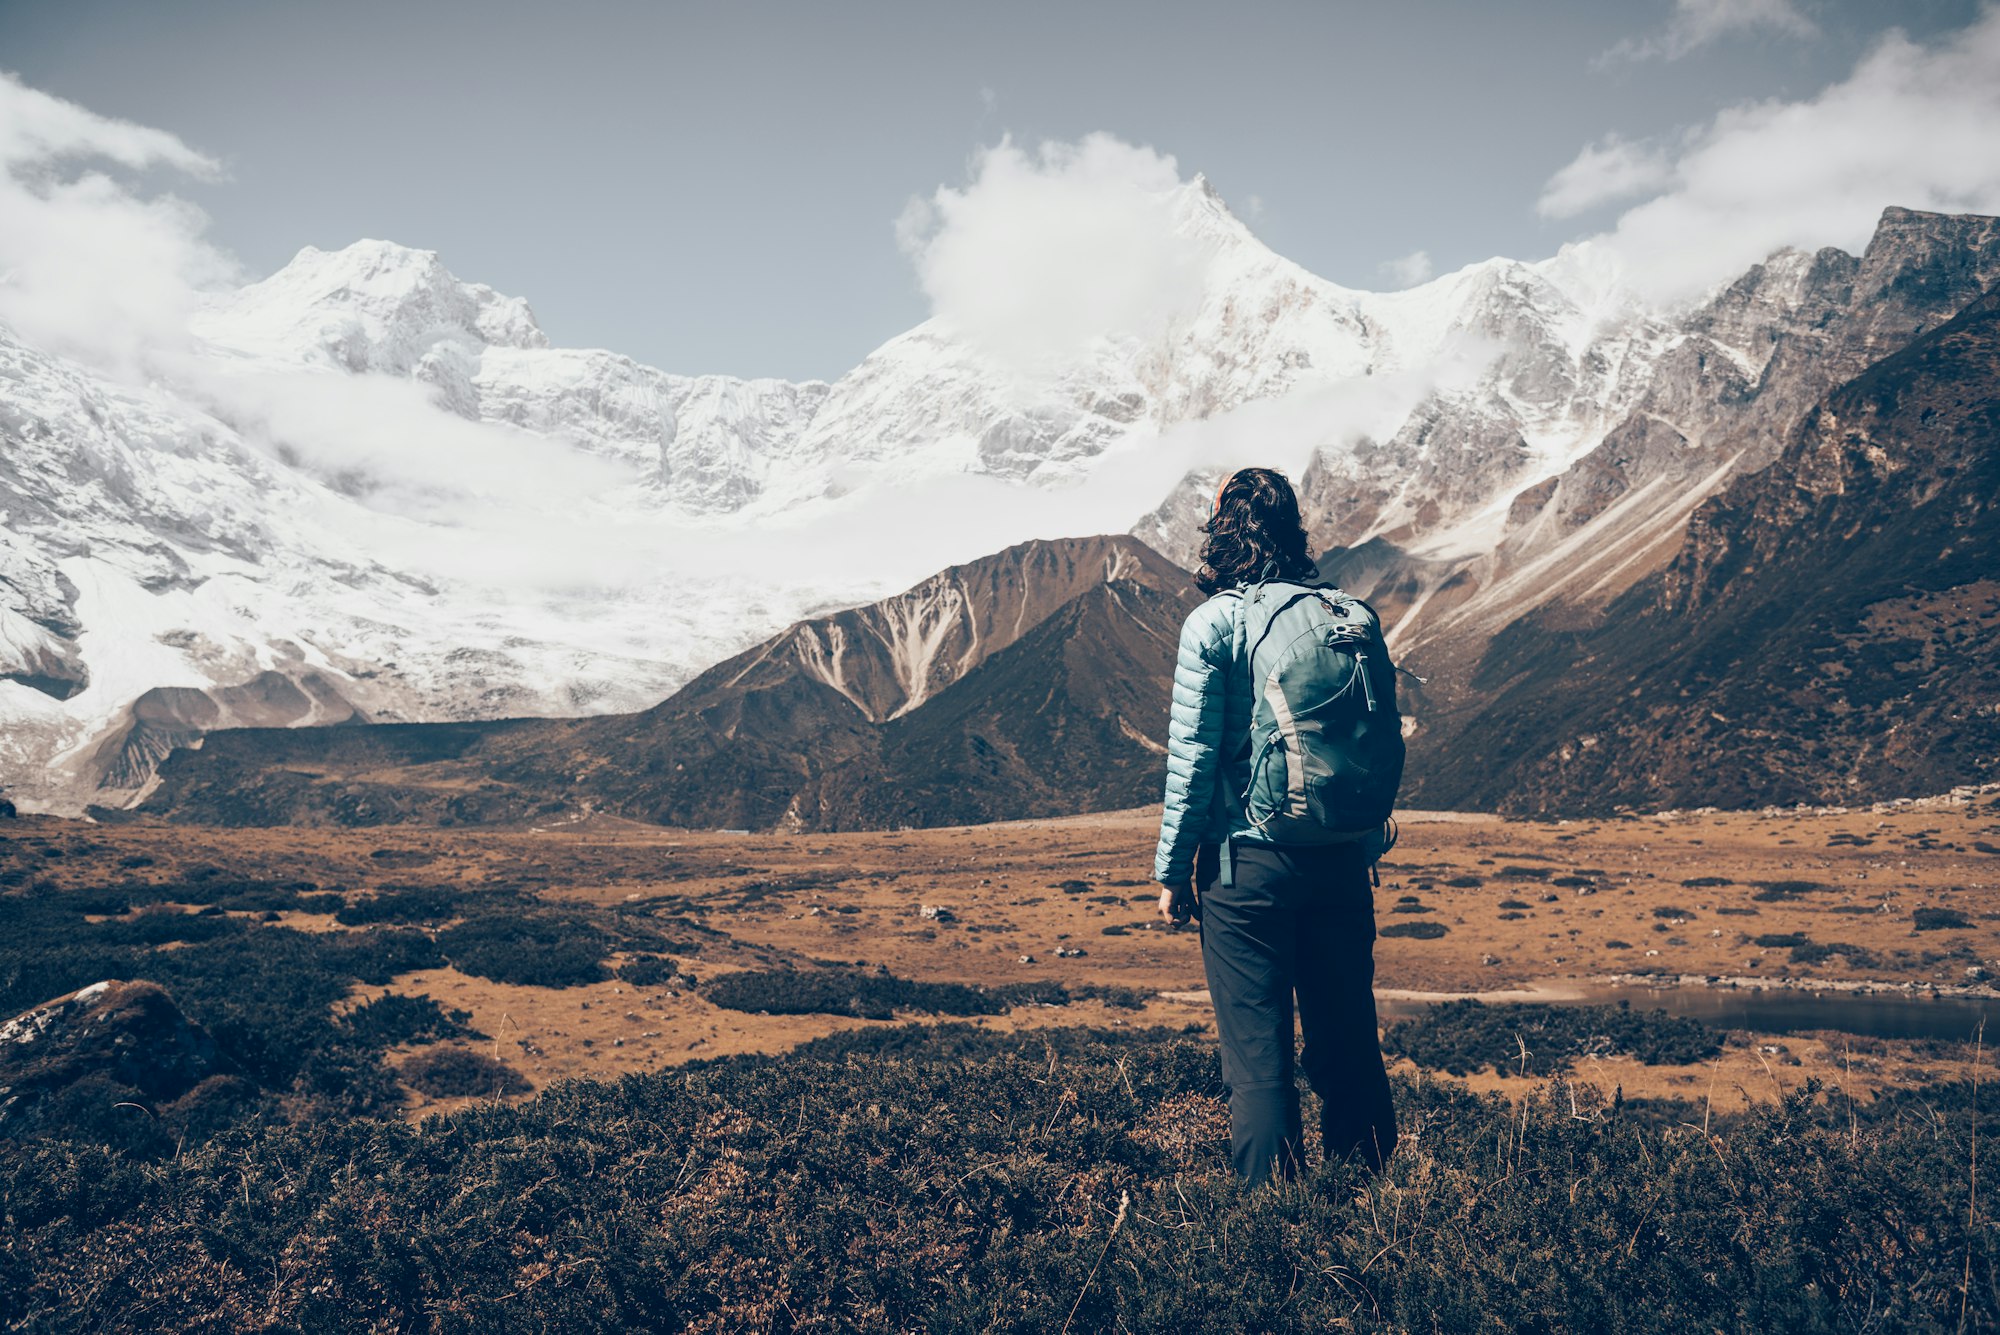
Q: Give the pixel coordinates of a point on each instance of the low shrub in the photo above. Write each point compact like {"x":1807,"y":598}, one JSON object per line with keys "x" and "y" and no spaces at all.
{"x":1465,"y":1036}
{"x":1112,"y":995}
{"x":1817,"y":952}
{"x":528,"y":949}
{"x":1781,"y":940}
{"x":867,"y":996}
{"x":1780,"y":892}
{"x":394,"y":1020}
{"x":402,"y":904}
{"x":458,"y":1073}
{"x":1421,"y":931}
{"x":1938,"y":920}
{"x":652,"y":971}
{"x":156,"y":926}
{"x":948,"y":1179}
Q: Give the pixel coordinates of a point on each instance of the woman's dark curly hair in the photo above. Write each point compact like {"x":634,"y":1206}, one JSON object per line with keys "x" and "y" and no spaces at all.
{"x":1255,"y":522}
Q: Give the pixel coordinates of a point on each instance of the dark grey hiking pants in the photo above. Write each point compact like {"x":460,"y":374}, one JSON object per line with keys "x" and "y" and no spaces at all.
{"x":1296,"y":923}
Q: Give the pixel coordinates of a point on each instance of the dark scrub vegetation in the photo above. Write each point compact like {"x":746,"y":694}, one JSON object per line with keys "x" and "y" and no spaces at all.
{"x":880,"y":995}
{"x":948,"y":1179}
{"x":528,"y":949}
{"x":266,"y":994}
{"x":1467,"y":1036}
{"x":457,"y":1073}
{"x":1422,"y":931}
{"x":652,"y":971}
{"x":402,"y":904}
{"x":393,"y":1020}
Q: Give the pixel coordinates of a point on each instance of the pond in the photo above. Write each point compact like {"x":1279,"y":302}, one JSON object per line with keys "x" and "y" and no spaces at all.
{"x":1773,"y":1011}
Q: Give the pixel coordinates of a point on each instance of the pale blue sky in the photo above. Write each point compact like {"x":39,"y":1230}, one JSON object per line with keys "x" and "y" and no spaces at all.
{"x":714,"y":187}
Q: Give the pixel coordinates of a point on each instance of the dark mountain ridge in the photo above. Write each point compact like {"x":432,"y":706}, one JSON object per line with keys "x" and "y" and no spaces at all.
{"x":901,"y":712}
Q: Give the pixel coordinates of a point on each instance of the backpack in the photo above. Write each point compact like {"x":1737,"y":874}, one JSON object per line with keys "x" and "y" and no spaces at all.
{"x":1326,"y":740}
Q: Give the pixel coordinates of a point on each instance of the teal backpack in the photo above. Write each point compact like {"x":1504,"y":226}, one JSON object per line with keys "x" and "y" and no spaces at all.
{"x":1326,"y":741}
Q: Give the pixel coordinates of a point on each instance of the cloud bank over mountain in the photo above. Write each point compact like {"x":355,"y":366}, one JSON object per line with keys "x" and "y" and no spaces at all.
{"x":1912,"y":125}
{"x":1047,"y":250}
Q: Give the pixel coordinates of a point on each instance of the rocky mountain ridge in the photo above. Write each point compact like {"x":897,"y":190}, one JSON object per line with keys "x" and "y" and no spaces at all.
{"x":185,"y":554}
{"x":1829,"y":631}
{"x":1026,"y":683}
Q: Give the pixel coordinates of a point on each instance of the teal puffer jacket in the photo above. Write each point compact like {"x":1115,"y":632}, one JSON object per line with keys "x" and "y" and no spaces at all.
{"x":1208,"y":740}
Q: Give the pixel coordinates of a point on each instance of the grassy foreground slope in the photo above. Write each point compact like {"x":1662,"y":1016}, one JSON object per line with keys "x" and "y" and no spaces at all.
{"x":948,"y":1179}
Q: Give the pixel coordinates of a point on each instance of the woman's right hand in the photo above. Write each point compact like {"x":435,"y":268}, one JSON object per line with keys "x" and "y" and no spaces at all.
{"x":1178,"y":903}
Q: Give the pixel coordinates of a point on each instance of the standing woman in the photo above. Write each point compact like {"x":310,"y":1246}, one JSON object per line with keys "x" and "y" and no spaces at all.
{"x":1279,"y":920}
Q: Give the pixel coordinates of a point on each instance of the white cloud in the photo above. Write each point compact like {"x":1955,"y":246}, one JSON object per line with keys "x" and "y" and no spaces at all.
{"x":88,"y":267}
{"x":1696,"y":23}
{"x":1913,"y":125}
{"x":894,"y":530}
{"x":1604,"y":172}
{"x":383,"y":441}
{"x":1409,"y":270}
{"x":1044,"y":252}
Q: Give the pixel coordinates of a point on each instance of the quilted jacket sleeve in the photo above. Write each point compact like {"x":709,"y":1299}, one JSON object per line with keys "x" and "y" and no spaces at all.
{"x":1194,"y":738}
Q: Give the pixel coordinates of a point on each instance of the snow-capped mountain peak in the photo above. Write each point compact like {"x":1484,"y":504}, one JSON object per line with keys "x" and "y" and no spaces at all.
{"x":371,"y":306}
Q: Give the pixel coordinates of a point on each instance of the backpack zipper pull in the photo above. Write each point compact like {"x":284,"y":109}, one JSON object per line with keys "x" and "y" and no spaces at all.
{"x":1367,"y":687}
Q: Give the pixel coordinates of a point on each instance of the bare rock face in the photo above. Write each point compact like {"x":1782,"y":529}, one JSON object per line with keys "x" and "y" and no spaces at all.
{"x":1743,"y":370}
{"x":75,"y":1058}
{"x":1826,"y":633}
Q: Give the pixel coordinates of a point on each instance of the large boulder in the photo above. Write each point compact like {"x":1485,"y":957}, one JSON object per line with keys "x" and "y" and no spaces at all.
{"x":67,"y":1065}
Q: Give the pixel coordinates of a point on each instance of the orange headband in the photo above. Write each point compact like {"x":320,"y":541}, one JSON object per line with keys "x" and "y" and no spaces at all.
{"x":1220,"y":487}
